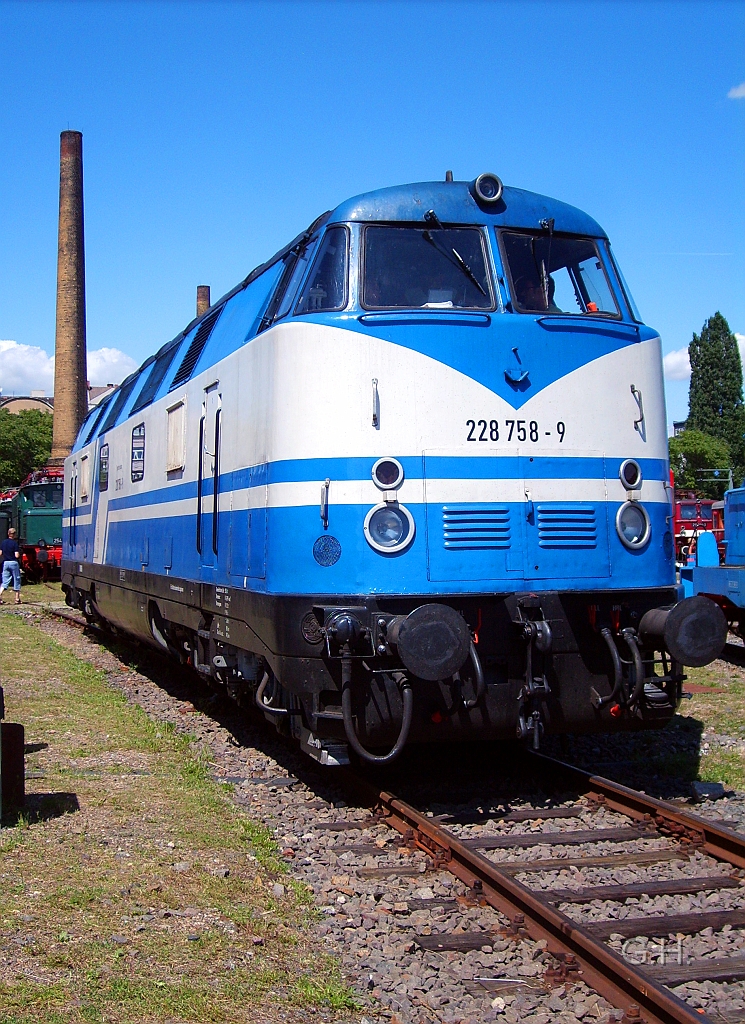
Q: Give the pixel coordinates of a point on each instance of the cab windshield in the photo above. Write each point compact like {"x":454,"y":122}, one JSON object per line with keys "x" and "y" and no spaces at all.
{"x":425,"y":268}
{"x":552,"y":273}
{"x":44,"y":495}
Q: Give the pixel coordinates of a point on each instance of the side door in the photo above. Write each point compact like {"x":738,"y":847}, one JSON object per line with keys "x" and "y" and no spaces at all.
{"x":208,"y":479}
{"x":565,"y":518}
{"x":72,"y":511}
{"x":100,"y":501}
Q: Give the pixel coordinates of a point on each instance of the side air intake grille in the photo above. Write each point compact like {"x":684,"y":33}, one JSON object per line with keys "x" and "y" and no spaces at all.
{"x":567,"y":526}
{"x":196,"y":348}
{"x":475,"y":526}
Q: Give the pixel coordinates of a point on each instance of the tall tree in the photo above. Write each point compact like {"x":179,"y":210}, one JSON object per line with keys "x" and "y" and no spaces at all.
{"x":715,"y":404}
{"x":691,"y":453}
{"x":25,"y":444}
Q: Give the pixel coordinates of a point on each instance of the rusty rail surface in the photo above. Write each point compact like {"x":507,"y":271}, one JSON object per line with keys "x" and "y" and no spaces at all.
{"x":636,"y":990}
{"x":715,"y":839}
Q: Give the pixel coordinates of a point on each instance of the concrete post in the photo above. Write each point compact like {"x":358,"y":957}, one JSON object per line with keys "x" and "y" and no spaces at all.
{"x":203,"y":298}
{"x":70,"y":366}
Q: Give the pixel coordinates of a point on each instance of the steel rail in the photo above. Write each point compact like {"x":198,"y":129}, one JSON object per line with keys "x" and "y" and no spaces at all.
{"x":626,"y":986}
{"x":623,"y":984}
{"x":715,"y":839}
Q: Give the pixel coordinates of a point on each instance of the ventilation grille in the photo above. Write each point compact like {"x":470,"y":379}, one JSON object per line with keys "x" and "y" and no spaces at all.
{"x":567,"y":527}
{"x":196,"y":348}
{"x":475,"y":526}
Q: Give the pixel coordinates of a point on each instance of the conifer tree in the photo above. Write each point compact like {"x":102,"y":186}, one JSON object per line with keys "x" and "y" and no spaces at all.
{"x":715,"y":404}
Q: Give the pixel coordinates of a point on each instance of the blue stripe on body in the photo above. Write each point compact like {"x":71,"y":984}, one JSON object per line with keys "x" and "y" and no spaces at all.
{"x":499,"y":467}
{"x":289,"y":534}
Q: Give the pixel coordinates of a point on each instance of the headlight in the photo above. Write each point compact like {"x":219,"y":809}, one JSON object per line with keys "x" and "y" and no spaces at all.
{"x":631,"y":474}
{"x":633,"y":526}
{"x":487,"y":188}
{"x":388,"y":474}
{"x":389,"y":527}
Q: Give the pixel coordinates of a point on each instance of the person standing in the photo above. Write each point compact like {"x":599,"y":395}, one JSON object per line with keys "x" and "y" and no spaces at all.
{"x":11,"y":565}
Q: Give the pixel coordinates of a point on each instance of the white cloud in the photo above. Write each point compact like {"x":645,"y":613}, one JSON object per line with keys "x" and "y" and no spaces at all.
{"x":109,"y":366}
{"x":25,"y":368}
{"x":738,"y":93}
{"x":677,"y":365}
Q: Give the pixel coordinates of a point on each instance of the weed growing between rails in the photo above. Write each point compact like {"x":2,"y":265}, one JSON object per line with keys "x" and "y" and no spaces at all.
{"x":131,"y":888}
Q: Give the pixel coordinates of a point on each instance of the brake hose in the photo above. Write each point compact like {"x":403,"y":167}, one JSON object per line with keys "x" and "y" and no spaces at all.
{"x":260,"y":698}
{"x":617,"y":670}
{"x":479,"y":684}
{"x":407,"y":696}
{"x":639,"y":680}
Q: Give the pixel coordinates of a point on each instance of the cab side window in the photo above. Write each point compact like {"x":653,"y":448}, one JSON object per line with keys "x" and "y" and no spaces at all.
{"x":295,"y":265}
{"x":103,"y":468}
{"x":325,"y":289}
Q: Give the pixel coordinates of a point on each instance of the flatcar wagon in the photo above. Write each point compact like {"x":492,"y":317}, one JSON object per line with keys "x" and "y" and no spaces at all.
{"x":407,"y":481}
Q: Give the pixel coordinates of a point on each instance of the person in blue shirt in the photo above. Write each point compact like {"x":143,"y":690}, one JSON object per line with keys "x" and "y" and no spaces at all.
{"x":11,"y":555}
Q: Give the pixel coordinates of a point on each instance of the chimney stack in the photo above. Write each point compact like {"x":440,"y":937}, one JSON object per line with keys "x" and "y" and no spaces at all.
{"x":203,"y":298}
{"x":70,"y":369}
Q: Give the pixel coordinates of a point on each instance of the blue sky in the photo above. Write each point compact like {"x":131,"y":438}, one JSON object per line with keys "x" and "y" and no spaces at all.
{"x":214,"y":132}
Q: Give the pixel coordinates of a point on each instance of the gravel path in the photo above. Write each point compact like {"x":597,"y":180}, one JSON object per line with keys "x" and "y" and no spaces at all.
{"x":376,"y":896}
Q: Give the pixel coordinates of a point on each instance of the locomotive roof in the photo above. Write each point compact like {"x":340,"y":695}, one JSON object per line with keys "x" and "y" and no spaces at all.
{"x":454,"y":203}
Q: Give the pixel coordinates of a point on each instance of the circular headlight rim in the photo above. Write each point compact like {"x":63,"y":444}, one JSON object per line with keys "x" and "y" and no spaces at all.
{"x":644,"y":540}
{"x":399,"y":480}
{"x":639,"y":475}
{"x":479,"y":194}
{"x":402,"y":545}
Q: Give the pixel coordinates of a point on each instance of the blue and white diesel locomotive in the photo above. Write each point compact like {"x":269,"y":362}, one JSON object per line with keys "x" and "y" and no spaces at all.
{"x":408,"y":480}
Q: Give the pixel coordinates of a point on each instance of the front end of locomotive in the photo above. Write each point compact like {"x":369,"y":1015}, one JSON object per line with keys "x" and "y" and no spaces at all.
{"x":492,"y":553}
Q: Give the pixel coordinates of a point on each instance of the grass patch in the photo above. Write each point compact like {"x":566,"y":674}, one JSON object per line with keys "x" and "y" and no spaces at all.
{"x":115,"y":904}
{"x":308,"y":991}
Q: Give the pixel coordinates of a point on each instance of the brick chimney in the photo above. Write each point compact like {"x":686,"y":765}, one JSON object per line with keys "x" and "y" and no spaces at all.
{"x":203,"y":298}
{"x":70,"y":369}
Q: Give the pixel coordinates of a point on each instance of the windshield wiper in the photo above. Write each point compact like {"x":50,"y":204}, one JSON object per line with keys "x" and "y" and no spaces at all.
{"x":431,"y":217}
{"x":468,"y":272}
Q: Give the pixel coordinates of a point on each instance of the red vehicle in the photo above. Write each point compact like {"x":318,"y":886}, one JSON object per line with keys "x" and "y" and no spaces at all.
{"x":693,"y":515}
{"x":35,"y":510}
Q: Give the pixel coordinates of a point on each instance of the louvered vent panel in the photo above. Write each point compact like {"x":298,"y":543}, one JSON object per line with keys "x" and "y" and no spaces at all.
{"x":567,"y":527}
{"x":475,"y":526}
{"x":196,"y":348}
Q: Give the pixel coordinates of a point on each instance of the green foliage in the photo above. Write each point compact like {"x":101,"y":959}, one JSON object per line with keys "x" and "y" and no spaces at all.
{"x":693,"y":450}
{"x":715,"y":399}
{"x":25,"y":444}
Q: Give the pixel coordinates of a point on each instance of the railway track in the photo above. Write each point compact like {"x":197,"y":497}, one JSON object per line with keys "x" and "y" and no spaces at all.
{"x":588,"y":876}
{"x":580,"y":949}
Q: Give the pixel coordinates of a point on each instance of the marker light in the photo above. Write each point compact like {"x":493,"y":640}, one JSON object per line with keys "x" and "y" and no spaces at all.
{"x":389,"y":527}
{"x":632,"y":525}
{"x":631,"y":474}
{"x":388,"y":474}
